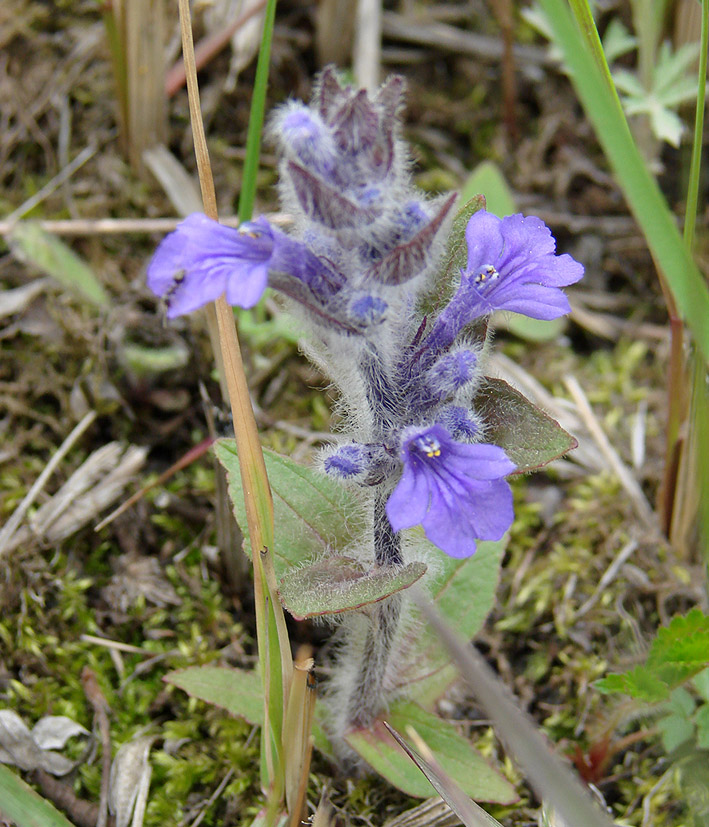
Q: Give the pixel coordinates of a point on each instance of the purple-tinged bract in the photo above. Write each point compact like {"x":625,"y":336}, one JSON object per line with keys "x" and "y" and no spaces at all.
{"x":456,"y":491}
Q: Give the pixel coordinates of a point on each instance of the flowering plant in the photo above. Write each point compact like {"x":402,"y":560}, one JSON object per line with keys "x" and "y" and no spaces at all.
{"x":427,"y":440}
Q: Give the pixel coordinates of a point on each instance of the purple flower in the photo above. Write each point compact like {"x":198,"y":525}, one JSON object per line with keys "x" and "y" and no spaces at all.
{"x":512,"y":266}
{"x":457,"y":492}
{"x":203,"y":259}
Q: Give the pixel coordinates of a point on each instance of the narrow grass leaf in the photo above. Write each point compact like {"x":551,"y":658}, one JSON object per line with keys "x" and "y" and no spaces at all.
{"x":584,"y":56}
{"x":22,"y":806}
{"x":36,"y":247}
{"x":467,"y":810}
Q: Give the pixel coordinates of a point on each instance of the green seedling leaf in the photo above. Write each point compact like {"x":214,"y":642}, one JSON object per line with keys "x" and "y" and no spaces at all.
{"x":341,"y":584}
{"x":148,"y":361}
{"x":683,"y":642}
{"x":463,"y":591}
{"x":675,"y":730}
{"x":456,"y":756}
{"x":701,"y":719}
{"x":530,"y":438}
{"x":701,"y":684}
{"x":22,"y":806}
{"x":33,"y":246}
{"x":312,"y":512}
{"x":679,"y":652}
{"x":236,"y":690}
{"x":487,"y":178}
{"x":639,"y":683}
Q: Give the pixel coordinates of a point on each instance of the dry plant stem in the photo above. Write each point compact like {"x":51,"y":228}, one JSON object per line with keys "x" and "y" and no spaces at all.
{"x":13,"y":523}
{"x":503,"y":12}
{"x":257,"y":494}
{"x":208,"y":48}
{"x":676,"y":412}
{"x":100,"y":706}
{"x":627,"y":480}
{"x":144,"y":38}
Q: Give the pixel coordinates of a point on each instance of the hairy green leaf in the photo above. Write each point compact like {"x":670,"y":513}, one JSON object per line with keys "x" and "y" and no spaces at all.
{"x":530,"y":438}
{"x":458,"y":758}
{"x":312,"y":512}
{"x":236,"y":690}
{"x":341,"y":584}
{"x":464,"y":593}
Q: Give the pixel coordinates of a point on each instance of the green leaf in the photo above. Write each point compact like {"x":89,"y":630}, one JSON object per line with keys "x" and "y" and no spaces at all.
{"x":701,"y":684}
{"x":681,"y":702}
{"x":236,"y":690}
{"x":454,"y":753}
{"x":638,"y":683}
{"x":529,"y":437}
{"x":533,"y":330}
{"x":463,"y":591}
{"x":684,"y":641}
{"x":341,"y":584}
{"x":675,"y":730}
{"x":701,"y":719}
{"x":312,"y":512}
{"x":679,"y":652}
{"x":487,"y":180}
{"x":22,"y":806}
{"x":32,"y":245}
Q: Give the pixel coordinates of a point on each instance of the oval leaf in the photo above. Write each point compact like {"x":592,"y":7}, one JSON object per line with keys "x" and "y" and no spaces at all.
{"x":456,"y":756}
{"x":342,"y":584}
{"x":529,"y":437}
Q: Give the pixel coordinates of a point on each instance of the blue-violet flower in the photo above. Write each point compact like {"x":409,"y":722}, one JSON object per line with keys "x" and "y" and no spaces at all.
{"x":456,"y":491}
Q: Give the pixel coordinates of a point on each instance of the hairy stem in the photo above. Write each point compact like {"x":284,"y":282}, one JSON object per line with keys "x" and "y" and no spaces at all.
{"x":366,"y":698}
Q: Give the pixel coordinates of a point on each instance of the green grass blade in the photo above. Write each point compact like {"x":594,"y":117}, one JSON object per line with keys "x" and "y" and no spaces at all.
{"x":258,"y":106}
{"x":578,"y":40}
{"x":690,"y":215}
{"x":21,"y":805}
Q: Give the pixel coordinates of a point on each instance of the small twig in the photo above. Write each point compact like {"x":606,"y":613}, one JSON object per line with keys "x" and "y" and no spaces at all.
{"x":607,"y":578}
{"x":116,"y":644}
{"x":56,"y":182}
{"x":212,"y":798}
{"x":82,"y":813}
{"x":13,"y":523}
{"x":367,"y":57}
{"x":100,"y":706}
{"x":451,"y":39}
{"x":110,"y":226}
{"x":627,"y":480}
